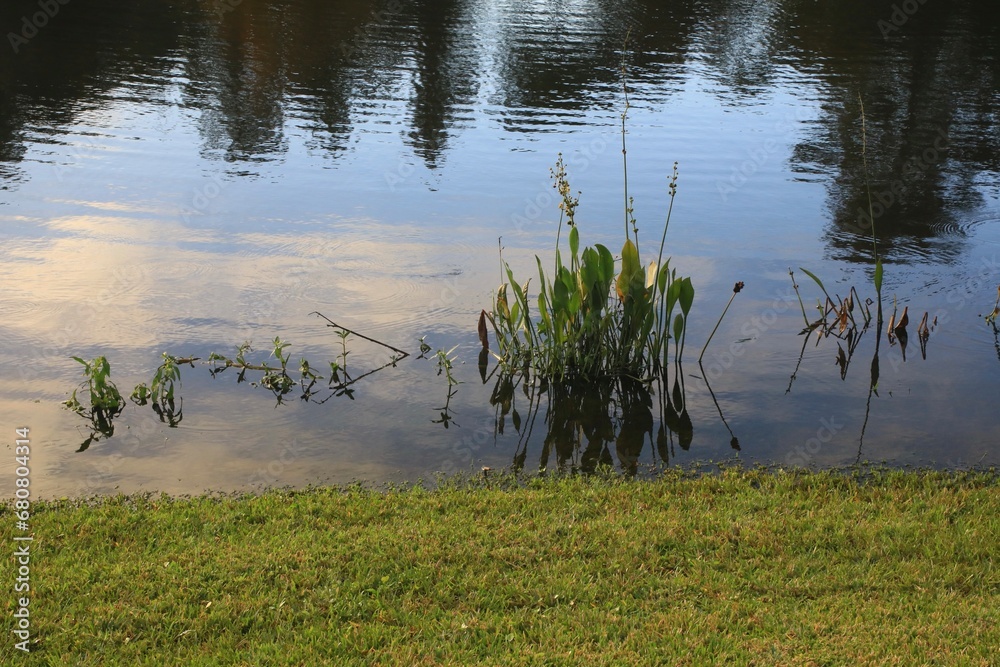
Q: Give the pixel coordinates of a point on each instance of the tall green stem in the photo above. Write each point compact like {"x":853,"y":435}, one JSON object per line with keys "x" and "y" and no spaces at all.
{"x":624,"y":117}
{"x":871,"y":214}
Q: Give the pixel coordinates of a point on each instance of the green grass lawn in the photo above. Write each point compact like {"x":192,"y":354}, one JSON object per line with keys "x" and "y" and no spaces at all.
{"x":741,"y":568}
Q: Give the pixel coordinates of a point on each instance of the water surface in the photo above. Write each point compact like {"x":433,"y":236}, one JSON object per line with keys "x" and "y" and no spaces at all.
{"x":184,"y":176}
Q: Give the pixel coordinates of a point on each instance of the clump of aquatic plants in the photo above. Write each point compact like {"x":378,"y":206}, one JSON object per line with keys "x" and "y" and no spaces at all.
{"x":164,"y":382}
{"x":593,"y":321}
{"x":105,"y":401}
{"x":104,"y":394}
{"x":274,"y":378}
{"x":445,"y":365}
{"x":161,"y":390}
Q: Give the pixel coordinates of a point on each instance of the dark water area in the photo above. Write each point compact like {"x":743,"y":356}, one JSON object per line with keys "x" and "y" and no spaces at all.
{"x":185,"y":176}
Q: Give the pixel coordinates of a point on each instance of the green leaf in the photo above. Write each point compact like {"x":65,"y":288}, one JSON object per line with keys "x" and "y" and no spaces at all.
{"x":686,"y":296}
{"x":546,"y":320}
{"x":661,"y":278}
{"x":678,"y":326}
{"x":673,"y":293}
{"x":878,"y":276}
{"x":560,"y":296}
{"x":573,"y":306}
{"x":574,"y":241}
{"x":631,"y":273}
{"x":818,"y":281}
{"x":607,"y":263}
{"x":518,"y":292}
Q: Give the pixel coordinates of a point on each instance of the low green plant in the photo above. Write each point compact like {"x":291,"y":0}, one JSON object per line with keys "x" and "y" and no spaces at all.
{"x":161,"y":391}
{"x":104,"y":395}
{"x":165,"y":380}
{"x":106,"y":401}
{"x":593,"y":322}
{"x":444,"y":364}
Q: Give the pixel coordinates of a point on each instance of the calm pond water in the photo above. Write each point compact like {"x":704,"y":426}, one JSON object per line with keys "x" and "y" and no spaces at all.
{"x":186,"y":175}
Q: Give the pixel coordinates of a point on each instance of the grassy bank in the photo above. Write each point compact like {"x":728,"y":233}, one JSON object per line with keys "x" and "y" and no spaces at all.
{"x":748,"y":567}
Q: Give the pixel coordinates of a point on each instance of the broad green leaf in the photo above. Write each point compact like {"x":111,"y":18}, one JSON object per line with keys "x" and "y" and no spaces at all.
{"x":502,"y":307}
{"x":573,"y":306}
{"x":878,"y":276}
{"x":541,"y":274}
{"x":607,"y":264}
{"x":546,"y":320}
{"x":568,"y":278}
{"x":678,"y":326}
{"x":673,"y":292}
{"x":631,"y":274}
{"x":686,"y":295}
{"x":662,"y":278}
{"x":574,"y":241}
{"x":560,"y":297}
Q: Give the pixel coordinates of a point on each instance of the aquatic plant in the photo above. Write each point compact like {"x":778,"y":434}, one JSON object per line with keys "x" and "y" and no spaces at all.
{"x":274,"y":378}
{"x":104,"y":395}
{"x":106,"y":401}
{"x":592,"y":322}
{"x":160,"y":392}
{"x":161,"y":387}
{"x":444,"y":364}
{"x":163,"y":396}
